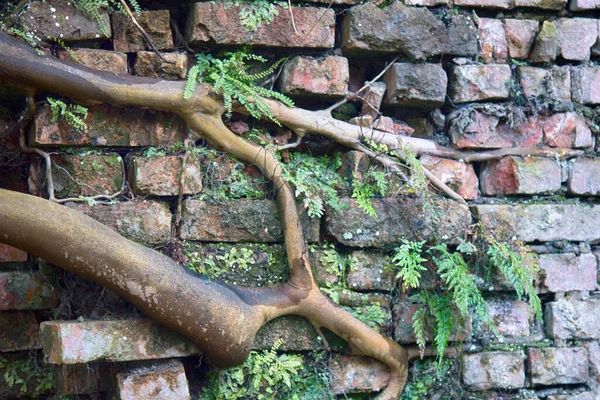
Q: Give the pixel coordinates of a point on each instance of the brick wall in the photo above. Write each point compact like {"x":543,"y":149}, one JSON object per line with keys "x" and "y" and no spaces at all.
{"x":472,"y":74}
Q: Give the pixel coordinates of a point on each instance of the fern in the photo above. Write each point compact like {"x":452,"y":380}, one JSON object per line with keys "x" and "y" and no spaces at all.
{"x":253,"y":13}
{"x":373,"y":184}
{"x":230,"y":78}
{"x":72,"y":114}
{"x":408,"y":259}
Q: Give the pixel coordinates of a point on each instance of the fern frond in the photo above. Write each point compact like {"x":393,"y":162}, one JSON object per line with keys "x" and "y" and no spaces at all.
{"x":408,"y":259}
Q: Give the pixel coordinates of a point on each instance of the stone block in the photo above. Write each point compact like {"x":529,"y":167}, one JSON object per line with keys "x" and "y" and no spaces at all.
{"x":397,"y":218}
{"x":370,"y":272}
{"x":373,"y":97}
{"x":59,"y":19}
{"x":210,"y":24}
{"x":416,"y":85}
{"x":520,"y":34}
{"x":26,"y":291}
{"x":128,"y":39}
{"x":557,"y":366}
{"x":11,"y":254}
{"x":322,"y":275}
{"x":494,"y":370}
{"x":142,"y":221}
{"x":584,"y":177}
{"x":516,"y":175}
{"x":593,"y":350}
{"x":578,"y":35}
{"x":511,"y":318}
{"x":479,"y":82}
{"x":103,"y":60}
{"x":77,"y":379}
{"x":583,"y":5}
{"x":148,"y":63}
{"x":547,"y":43}
{"x":109,"y":126}
{"x":155,"y":381}
{"x":551,"y":86}
{"x":501,"y":4}
{"x":566,"y":272}
{"x":461,"y":36}
{"x":543,"y":4}
{"x":567,"y":130}
{"x":351,"y":374}
{"x":239,"y":221}
{"x":585,"y":83}
{"x":492,"y":40}
{"x":569,"y":319}
{"x":297,"y":332}
{"x":540,"y":222}
{"x":161,"y":176}
{"x":69,"y":342}
{"x":81,"y":175}
{"x":19,"y":331}
{"x":404,"y":331}
{"x":458,"y":175}
{"x":309,"y":76}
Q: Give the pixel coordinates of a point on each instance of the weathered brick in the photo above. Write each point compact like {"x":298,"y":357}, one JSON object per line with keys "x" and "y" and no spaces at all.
{"x":416,"y":85}
{"x":128,"y":39}
{"x":239,"y":221}
{"x":357,"y":374}
{"x":566,"y":272}
{"x":155,"y":381}
{"x":540,"y":222}
{"x":578,"y":35}
{"x":308,"y":76}
{"x":593,"y":350}
{"x":458,"y":175}
{"x":573,"y":319}
{"x":19,"y":331}
{"x":516,"y":175}
{"x":583,"y":5}
{"x":502,"y":4}
{"x":397,"y":218}
{"x":110,"y":126}
{"x":11,"y":254}
{"x":322,"y":276}
{"x":370,"y":272}
{"x":547,"y":43}
{"x":26,"y":291}
{"x":556,"y":366}
{"x":484,"y":130}
{"x":494,"y":370}
{"x":143,"y":221}
{"x":461,"y":36}
{"x":425,"y":3}
{"x":584,"y":176}
{"x":547,"y":86}
{"x":404,"y":331}
{"x":59,"y":19}
{"x":373,"y":98}
{"x":585,"y":83}
{"x":161,"y":176}
{"x":492,"y":40}
{"x":511,"y":318}
{"x":74,"y":379}
{"x":479,"y":82}
{"x":82,"y":175}
{"x":567,"y":130}
{"x":297,"y":332}
{"x":68,"y":342}
{"x":210,"y":23}
{"x":520,"y":34}
{"x":148,"y":63}
{"x":543,"y":4}
{"x":103,"y":60}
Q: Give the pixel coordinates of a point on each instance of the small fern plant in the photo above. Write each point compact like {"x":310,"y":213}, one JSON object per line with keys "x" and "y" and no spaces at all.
{"x":71,"y":114}
{"x":253,"y":13}
{"x":230,"y":78}
{"x":91,"y":8}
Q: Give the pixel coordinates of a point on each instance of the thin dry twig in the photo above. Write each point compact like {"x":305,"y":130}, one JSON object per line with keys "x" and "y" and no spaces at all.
{"x":143,"y":32}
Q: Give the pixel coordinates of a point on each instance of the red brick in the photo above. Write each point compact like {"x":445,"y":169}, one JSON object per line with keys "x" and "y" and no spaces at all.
{"x":156,"y":381}
{"x":77,"y":379}
{"x":584,"y":177}
{"x":373,"y":97}
{"x":516,"y":175}
{"x":479,"y":82}
{"x":404,"y":332}
{"x":212,"y":24}
{"x":578,"y":35}
{"x":492,"y":40}
{"x":19,"y":331}
{"x":458,"y":175}
{"x":71,"y":342}
{"x":566,"y":272}
{"x":161,"y":176}
{"x":128,"y":39}
{"x":585,"y":81}
{"x":26,"y":291}
{"x":520,"y":34}
{"x":148,"y":63}
{"x":567,"y":130}
{"x":357,"y":374}
{"x":308,"y":76}
{"x":547,"y":85}
{"x":556,"y":366}
{"x":511,"y":318}
{"x":110,"y":126}
{"x":11,"y":254}
{"x":103,"y":60}
{"x":494,"y":370}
